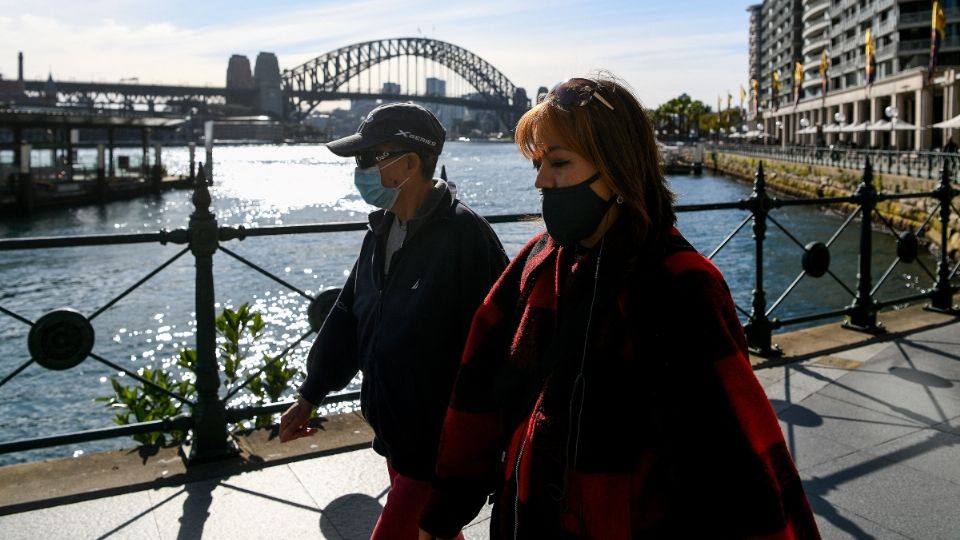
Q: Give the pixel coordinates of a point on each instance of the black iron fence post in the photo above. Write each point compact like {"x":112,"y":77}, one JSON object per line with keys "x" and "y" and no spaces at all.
{"x":759,"y":329}
{"x":26,"y":193}
{"x":101,"y":175}
{"x":210,"y":439}
{"x":863,"y":311}
{"x":942,"y":299}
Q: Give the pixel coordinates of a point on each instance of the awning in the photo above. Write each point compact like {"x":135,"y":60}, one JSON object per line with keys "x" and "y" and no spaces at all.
{"x":856,"y":128}
{"x":898,"y":124}
{"x":948,"y":124}
{"x":809,"y":130}
{"x":831,"y":128}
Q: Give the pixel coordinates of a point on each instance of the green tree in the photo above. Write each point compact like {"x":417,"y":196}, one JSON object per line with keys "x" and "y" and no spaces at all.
{"x":679,"y":116}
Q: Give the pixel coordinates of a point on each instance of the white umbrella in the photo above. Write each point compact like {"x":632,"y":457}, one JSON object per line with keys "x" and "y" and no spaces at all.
{"x":949,"y":124}
{"x":831,"y":128}
{"x":901,"y":125}
{"x":809,"y":130}
{"x":855,"y":128}
{"x":880,"y":125}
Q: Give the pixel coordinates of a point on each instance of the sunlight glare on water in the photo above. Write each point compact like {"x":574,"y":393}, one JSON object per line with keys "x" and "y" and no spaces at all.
{"x":258,"y":186}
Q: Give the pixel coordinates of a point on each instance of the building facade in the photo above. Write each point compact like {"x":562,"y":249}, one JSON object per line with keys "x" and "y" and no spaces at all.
{"x":896,"y":111}
{"x":776,"y":44}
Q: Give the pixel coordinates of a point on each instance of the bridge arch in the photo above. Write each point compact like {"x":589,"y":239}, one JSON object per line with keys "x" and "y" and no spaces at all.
{"x":327,"y":73}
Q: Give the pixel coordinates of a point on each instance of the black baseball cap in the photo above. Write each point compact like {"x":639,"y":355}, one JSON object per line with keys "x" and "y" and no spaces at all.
{"x":407,"y":124}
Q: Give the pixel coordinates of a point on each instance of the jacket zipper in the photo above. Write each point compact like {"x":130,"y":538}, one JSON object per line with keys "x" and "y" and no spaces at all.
{"x":384,"y":282}
{"x":516,"y":479}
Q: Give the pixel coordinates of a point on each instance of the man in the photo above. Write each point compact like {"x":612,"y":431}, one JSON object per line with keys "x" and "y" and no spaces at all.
{"x":402,"y":317}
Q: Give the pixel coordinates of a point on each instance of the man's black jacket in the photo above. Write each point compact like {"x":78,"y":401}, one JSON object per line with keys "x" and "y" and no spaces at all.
{"x":406,"y":331}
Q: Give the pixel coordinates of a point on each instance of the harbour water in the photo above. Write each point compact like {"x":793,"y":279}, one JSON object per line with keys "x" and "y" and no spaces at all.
{"x":284,"y":185}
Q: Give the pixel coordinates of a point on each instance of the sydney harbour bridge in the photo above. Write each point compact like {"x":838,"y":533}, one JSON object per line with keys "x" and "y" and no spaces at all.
{"x":396,"y":69}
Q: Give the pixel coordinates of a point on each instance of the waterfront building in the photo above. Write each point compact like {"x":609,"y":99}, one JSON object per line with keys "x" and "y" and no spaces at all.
{"x":896,"y":111}
{"x":775,"y":46}
{"x":248,"y":129}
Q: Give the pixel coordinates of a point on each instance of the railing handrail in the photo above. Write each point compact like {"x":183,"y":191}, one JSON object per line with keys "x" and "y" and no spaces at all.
{"x":203,"y":236}
{"x":922,"y":164}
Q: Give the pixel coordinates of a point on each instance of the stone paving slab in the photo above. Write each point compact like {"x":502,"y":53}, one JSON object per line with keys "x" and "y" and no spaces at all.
{"x":120,"y":516}
{"x":270,"y":503}
{"x":899,"y":498}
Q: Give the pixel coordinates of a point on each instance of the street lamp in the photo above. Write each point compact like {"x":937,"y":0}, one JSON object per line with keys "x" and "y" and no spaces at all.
{"x":892,"y":113}
{"x":840,"y":118}
{"x":804,"y":123}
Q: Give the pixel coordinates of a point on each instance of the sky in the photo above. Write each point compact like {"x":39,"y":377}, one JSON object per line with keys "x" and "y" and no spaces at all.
{"x":662,"y":48}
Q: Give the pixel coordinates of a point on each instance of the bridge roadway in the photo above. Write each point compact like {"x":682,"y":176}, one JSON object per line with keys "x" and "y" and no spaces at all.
{"x":159,"y":93}
{"x":872,"y":421}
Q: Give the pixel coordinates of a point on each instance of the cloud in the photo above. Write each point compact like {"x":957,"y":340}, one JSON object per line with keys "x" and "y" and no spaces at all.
{"x":658,"y":48}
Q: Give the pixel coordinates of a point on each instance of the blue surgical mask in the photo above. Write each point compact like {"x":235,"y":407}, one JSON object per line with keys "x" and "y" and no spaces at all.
{"x":371,"y":188}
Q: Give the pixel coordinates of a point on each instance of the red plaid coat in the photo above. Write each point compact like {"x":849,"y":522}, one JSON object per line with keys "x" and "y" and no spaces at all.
{"x":650,"y":425}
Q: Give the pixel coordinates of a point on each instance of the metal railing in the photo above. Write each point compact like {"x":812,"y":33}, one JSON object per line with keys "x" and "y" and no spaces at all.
{"x":916,"y":164}
{"x":63,"y":338}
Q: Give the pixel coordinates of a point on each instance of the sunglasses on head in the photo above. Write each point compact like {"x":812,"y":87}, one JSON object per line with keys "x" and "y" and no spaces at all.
{"x":577,"y":91}
{"x":369,"y":158}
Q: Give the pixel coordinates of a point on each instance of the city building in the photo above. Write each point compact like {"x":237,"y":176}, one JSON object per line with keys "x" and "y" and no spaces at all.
{"x":776,"y":41}
{"x":896,"y":111}
{"x":436,"y":87}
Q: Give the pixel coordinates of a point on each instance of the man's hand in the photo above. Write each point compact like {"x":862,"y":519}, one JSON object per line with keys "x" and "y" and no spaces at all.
{"x":293,"y":423}
{"x":424,"y":535}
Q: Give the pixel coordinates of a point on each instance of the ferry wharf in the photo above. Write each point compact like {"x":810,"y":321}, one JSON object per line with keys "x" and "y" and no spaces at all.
{"x":872,"y":420}
{"x":59,"y":180}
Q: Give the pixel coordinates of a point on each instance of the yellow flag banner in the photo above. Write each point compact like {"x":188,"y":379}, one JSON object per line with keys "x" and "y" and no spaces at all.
{"x":797,"y":82}
{"x":775,"y":88}
{"x":938,"y":25}
{"x":824,"y":67}
{"x":869,"y":52}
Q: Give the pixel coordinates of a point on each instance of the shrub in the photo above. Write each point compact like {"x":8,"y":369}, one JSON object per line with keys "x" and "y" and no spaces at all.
{"x":236,"y":330}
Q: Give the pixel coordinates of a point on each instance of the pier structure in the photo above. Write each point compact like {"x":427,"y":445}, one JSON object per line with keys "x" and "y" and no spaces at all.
{"x":39,"y":168}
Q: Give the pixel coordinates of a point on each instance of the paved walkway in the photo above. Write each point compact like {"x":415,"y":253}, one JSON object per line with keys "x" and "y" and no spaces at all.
{"x":874,"y":428}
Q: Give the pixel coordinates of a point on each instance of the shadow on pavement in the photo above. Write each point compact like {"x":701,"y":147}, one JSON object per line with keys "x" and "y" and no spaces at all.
{"x":196,"y":509}
{"x":351,"y":517}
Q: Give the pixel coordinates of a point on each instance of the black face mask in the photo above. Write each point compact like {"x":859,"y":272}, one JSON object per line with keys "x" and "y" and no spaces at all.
{"x":573,"y":213}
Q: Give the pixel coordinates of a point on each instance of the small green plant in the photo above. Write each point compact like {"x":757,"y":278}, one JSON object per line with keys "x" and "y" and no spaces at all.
{"x":144,"y":403}
{"x":236,"y":330}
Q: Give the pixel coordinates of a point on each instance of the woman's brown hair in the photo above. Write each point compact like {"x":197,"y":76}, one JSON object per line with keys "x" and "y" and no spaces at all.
{"x":620,"y":142}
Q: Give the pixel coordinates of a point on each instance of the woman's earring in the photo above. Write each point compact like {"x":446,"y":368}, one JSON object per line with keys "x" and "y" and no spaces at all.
{"x":619,"y":199}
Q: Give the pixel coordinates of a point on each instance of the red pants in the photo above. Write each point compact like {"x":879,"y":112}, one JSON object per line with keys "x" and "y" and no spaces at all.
{"x":400,"y":519}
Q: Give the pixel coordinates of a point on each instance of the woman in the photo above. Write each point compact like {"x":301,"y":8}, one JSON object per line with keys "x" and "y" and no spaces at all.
{"x":605,"y":389}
